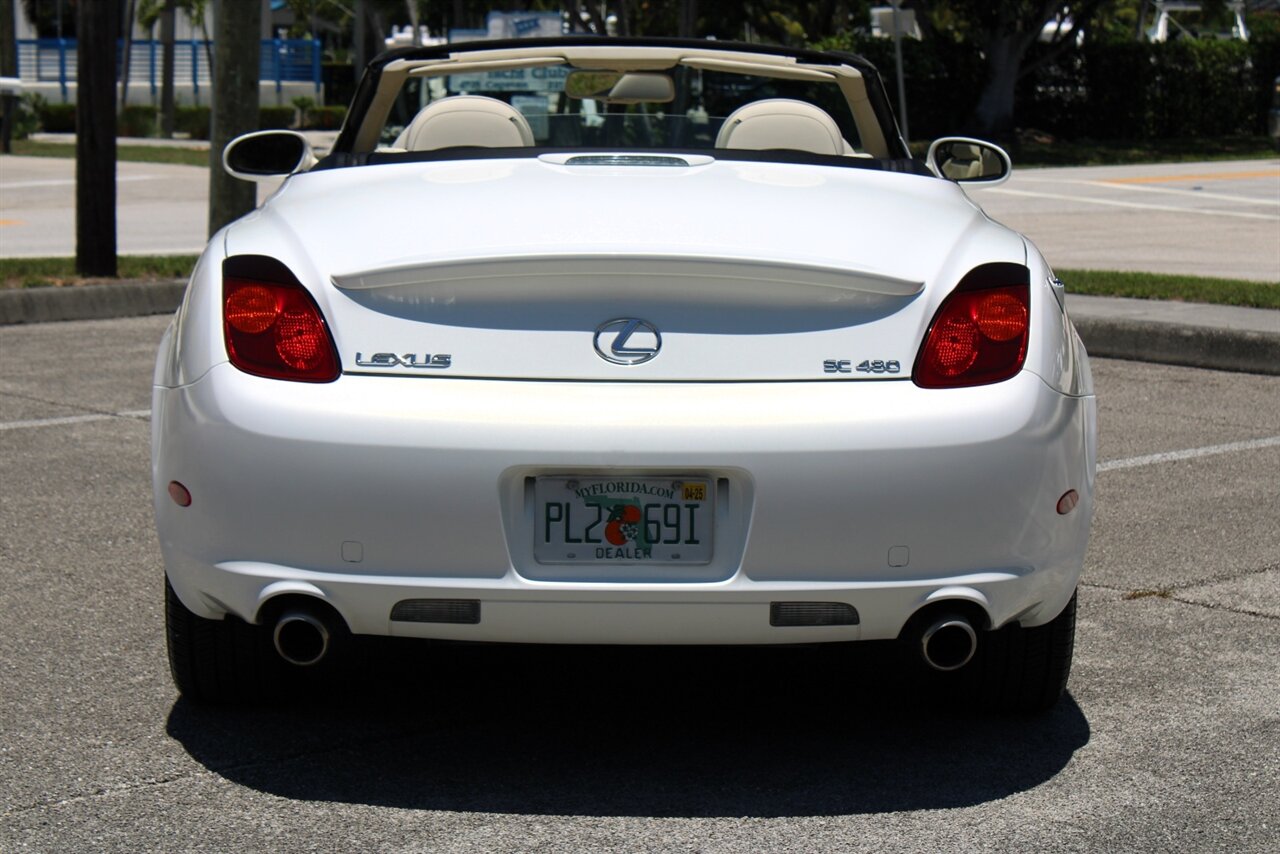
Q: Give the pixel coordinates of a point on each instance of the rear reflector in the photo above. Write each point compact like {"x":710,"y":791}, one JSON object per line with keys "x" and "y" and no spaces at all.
{"x":180,"y":494}
{"x":812,"y":614}
{"x":1068,"y":502}
{"x":465,"y":611}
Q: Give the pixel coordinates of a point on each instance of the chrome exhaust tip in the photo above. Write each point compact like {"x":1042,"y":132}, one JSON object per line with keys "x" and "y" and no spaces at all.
{"x":949,"y":643}
{"x":302,"y":639}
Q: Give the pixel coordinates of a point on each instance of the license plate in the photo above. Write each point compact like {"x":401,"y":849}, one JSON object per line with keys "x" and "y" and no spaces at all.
{"x":624,"y":520}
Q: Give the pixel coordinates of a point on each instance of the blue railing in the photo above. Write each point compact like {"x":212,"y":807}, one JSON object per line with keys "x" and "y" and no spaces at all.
{"x":54,"y":61}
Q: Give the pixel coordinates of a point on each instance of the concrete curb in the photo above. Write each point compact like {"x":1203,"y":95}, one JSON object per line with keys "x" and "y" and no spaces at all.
{"x":1142,"y":340}
{"x":1245,"y":351}
{"x":90,"y":302}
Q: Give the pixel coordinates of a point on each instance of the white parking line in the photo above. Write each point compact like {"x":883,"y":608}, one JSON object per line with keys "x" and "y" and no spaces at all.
{"x":1189,"y":454}
{"x":1173,"y":191}
{"x":1115,"y":204}
{"x":73,"y":419}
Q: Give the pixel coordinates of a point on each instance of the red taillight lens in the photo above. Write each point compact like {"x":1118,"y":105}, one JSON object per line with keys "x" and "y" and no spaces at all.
{"x":252,"y":309}
{"x":275,"y":329}
{"x":978,"y":337}
{"x":1002,"y":316}
{"x":954,"y":347}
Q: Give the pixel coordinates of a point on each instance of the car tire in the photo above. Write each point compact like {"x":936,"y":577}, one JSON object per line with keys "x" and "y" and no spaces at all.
{"x":215,"y":661}
{"x":1020,"y":670}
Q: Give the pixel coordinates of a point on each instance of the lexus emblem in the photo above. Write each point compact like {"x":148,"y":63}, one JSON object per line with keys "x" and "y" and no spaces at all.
{"x":627,"y":341}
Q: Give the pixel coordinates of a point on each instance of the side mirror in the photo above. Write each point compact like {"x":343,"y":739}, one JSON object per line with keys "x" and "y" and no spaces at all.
{"x":267,"y":154}
{"x":969,"y":161}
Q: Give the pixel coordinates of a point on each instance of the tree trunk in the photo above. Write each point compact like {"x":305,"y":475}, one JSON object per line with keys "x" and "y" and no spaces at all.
{"x":166,"y":69}
{"x":8,"y":68}
{"x":237,"y":37}
{"x":98,"y":27}
{"x":993,"y":116}
{"x":688,"y":18}
{"x":359,"y":39}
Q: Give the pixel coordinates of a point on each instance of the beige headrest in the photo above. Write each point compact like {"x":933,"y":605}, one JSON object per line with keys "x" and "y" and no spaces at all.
{"x":466,"y":120}
{"x":781,"y":123}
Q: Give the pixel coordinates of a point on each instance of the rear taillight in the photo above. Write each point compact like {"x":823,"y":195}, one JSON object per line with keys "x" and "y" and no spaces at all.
{"x":979,"y":334}
{"x":272,"y":326}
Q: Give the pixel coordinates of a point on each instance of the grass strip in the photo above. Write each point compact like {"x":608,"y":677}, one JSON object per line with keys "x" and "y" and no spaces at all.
{"x":61,"y":272}
{"x":1163,"y":286}
{"x":132,"y":153}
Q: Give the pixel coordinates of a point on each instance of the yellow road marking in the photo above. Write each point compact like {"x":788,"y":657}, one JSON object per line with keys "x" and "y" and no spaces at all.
{"x":1217,"y":176}
{"x":11,"y":222}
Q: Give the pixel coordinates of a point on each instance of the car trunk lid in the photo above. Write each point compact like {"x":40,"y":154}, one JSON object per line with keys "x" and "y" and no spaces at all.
{"x":720,"y":270}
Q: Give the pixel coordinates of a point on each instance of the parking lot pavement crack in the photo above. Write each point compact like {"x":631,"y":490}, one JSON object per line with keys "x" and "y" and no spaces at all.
{"x":1217,"y":607}
{"x":75,"y":407}
{"x":13,"y":395}
{"x":103,"y":792}
{"x":1170,"y":592}
{"x":1230,"y":576}
{"x":1226,"y":578}
{"x":226,"y":772}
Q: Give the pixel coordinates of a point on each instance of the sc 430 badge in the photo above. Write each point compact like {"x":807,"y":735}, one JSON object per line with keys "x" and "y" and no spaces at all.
{"x":437,"y":361}
{"x":866,"y":366}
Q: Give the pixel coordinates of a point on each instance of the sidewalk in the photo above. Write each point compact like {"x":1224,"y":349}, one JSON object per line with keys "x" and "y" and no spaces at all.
{"x":1224,"y":338}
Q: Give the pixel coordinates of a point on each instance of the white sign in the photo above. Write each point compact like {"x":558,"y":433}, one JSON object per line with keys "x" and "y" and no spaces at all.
{"x":524,"y":25}
{"x":549,"y":79}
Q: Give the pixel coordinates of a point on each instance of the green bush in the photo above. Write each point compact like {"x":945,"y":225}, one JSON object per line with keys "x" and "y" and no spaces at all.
{"x":326,"y":118}
{"x":136,"y":121}
{"x":1265,"y":49}
{"x":26,"y":115}
{"x":141,"y":120}
{"x":193,"y":121}
{"x":1135,"y":90}
{"x":1203,"y":88}
{"x":57,"y":118}
{"x":1115,"y":90}
{"x":270,"y":118}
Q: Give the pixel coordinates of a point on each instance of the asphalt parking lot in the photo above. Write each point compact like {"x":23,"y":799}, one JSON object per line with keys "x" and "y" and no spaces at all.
{"x":1170,"y":738}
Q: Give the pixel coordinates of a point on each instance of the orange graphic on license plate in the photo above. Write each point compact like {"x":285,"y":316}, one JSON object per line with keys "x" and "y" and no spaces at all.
{"x":695,"y":492}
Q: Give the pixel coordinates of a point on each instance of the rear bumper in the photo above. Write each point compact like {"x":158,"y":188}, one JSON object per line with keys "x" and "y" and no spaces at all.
{"x":373,"y":490}
{"x":512,"y":610}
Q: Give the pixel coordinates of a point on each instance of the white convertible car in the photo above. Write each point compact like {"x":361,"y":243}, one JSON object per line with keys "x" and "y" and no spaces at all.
{"x":609,"y":341}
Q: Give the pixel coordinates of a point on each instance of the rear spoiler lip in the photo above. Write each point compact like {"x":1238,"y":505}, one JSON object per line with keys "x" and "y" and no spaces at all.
{"x":624,"y":265}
